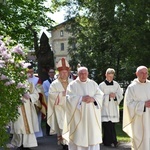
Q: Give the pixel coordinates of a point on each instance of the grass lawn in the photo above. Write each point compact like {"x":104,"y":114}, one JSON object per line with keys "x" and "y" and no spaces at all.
{"x":121,"y":135}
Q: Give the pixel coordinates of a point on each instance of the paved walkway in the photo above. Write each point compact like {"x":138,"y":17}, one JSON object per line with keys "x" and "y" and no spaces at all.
{"x":50,"y":143}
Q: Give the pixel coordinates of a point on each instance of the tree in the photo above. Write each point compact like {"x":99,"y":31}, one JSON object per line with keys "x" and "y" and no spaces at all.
{"x":110,"y":34}
{"x":22,"y":20}
{"x":45,"y":58}
{"x":135,"y":31}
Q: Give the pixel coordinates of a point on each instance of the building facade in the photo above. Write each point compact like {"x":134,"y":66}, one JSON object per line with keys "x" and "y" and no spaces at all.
{"x":59,"y":42}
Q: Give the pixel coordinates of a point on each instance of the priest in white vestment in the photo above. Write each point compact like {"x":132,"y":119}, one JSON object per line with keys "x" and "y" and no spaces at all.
{"x":113,"y":95}
{"x":136,"y":116}
{"x":41,"y":105}
{"x":83,"y":113}
{"x":25,"y":126}
{"x":57,"y":102}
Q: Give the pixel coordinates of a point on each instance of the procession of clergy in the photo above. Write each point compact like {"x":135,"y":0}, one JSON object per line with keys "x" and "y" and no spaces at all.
{"x":82,"y":113}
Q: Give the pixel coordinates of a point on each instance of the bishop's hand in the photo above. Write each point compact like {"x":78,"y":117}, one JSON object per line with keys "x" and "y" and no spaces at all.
{"x":87,"y":99}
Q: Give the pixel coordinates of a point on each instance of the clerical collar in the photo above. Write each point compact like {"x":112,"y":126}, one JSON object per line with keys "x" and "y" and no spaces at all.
{"x":109,"y":83}
{"x":52,"y":79}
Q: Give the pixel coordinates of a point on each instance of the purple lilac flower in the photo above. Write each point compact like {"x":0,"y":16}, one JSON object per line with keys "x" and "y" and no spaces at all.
{"x":2,"y":47}
{"x":5,"y":55}
{"x":7,"y":83}
{"x":18,"y":50}
{"x":2,"y":65}
{"x":1,"y":42}
{"x":3,"y":77}
{"x":2,"y":61}
{"x":20,"y":85}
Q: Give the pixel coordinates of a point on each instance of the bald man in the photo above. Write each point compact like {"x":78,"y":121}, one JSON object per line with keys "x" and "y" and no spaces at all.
{"x":136,"y":116}
{"x":83,"y":112}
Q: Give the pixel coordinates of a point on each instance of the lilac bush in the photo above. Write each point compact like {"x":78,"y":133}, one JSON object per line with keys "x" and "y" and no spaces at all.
{"x":13,"y":83}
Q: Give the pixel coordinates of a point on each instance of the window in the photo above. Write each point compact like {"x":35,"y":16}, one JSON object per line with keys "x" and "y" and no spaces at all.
{"x":61,"y":33}
{"x":62,"y":46}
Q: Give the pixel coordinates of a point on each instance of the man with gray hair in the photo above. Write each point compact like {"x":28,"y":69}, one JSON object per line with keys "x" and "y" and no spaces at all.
{"x":113,"y":95}
{"x":83,"y":113}
{"x":136,"y":116}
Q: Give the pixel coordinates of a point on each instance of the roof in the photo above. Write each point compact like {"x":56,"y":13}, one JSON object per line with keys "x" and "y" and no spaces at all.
{"x":62,"y":24}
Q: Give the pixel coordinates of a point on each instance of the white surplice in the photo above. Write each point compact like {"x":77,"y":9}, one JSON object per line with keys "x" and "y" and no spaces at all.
{"x":110,"y":109}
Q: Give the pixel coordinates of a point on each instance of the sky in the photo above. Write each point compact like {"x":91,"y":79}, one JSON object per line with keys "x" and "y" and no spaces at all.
{"x":58,"y":16}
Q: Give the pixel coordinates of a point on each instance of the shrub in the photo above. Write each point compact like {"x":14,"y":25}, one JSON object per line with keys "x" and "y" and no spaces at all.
{"x":13,"y":84}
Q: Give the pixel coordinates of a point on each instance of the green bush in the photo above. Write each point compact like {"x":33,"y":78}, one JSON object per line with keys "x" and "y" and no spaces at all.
{"x":13,"y":84}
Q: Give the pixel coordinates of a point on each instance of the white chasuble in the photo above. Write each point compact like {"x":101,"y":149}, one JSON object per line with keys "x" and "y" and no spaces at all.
{"x":136,"y":118}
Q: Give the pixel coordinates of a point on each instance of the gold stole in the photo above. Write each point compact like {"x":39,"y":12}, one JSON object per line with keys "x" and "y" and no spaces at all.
{"x":64,"y":83}
{"x":27,"y":129}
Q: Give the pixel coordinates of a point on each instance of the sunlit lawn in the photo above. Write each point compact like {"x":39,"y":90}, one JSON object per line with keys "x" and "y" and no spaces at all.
{"x":121,"y":135}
